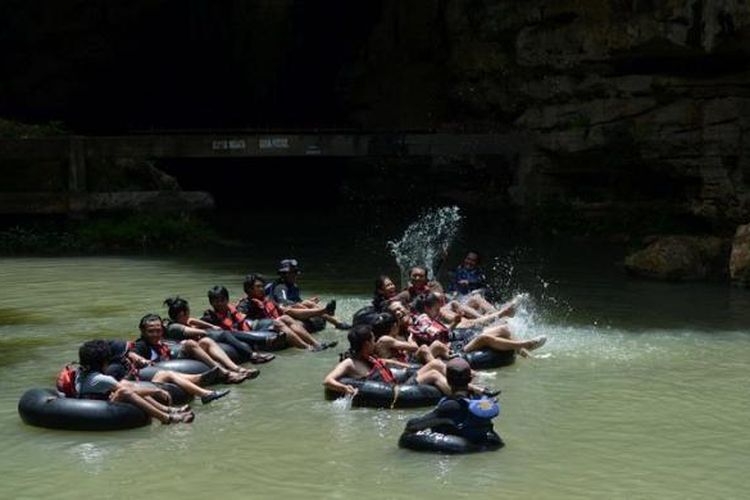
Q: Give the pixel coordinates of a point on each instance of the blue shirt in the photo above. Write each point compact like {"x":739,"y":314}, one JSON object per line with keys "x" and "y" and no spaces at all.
{"x":475,"y":277}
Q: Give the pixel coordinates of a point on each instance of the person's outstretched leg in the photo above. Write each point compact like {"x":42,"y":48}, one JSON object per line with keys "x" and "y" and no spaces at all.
{"x":229,"y":338}
{"x":502,"y":331}
{"x":127,"y":395}
{"x":433,"y":377}
{"x":483,"y":341}
{"x":217,"y":353}
{"x":185,"y":382}
{"x":476,"y":301}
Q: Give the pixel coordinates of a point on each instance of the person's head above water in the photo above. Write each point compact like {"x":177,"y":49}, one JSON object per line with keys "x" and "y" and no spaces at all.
{"x":418,"y":276}
{"x":151,"y":328}
{"x":253,"y":286}
{"x":471,"y":260}
{"x":218,"y":297}
{"x":458,"y":374}
{"x":383,"y":324}
{"x":385,"y":287}
{"x":177,"y":308}
{"x":429,"y":303}
{"x":361,"y":340}
{"x":288,"y":270}
{"x":289,"y":266}
{"x":94,"y":355}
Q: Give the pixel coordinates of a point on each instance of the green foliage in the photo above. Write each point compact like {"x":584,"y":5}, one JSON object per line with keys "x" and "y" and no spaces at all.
{"x":10,"y":129}
{"x":135,"y":232}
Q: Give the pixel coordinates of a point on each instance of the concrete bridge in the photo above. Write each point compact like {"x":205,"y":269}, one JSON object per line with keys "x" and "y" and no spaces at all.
{"x":77,"y":151}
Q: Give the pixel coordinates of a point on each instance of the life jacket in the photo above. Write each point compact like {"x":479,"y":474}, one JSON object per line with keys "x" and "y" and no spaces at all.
{"x":231,"y":320}
{"x":158,"y":352}
{"x":268,"y":307}
{"x":426,"y":330}
{"x":414,"y":291}
{"x":66,"y":381}
{"x":476,"y":421}
{"x":379,"y":372}
{"x":291,"y":294}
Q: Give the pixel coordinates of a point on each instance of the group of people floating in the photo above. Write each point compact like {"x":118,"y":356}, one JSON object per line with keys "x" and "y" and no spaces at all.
{"x":110,"y":369}
{"x":414,"y":330}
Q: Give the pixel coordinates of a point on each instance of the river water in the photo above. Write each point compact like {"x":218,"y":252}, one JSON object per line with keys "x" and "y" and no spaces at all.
{"x":640,"y":392}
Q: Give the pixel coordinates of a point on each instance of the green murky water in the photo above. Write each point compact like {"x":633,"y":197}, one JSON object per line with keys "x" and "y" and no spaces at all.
{"x":641,"y":392}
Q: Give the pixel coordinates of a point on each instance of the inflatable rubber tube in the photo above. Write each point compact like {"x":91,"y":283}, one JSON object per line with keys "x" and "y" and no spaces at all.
{"x":381,"y":395}
{"x":436,"y":442}
{"x":234,"y":354}
{"x":179,"y":395}
{"x":463,"y":334}
{"x":45,"y":408}
{"x":484,"y":359}
{"x":264,"y":340}
{"x":314,"y":325}
{"x":187,"y":366}
{"x":365,"y":316}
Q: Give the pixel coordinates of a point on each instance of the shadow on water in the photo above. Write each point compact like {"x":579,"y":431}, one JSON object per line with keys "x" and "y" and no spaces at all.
{"x":17,"y":350}
{"x":15,"y":316}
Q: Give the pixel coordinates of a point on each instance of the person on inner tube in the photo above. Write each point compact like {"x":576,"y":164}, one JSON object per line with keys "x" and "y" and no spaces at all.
{"x":94,"y":357}
{"x":225,"y":316}
{"x":287,"y":296}
{"x":459,"y":414}
{"x":468,"y":286}
{"x":257,"y":307}
{"x":419,"y":284}
{"x":475,"y":310}
{"x":389,"y":346}
{"x":385,"y":293}
{"x":181,"y":327}
{"x":126,"y":364}
{"x":360,"y":363}
{"x":152,"y":348}
{"x":427,"y":328}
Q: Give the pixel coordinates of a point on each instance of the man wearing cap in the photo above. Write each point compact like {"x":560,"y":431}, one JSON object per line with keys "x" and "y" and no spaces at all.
{"x":286,"y":294}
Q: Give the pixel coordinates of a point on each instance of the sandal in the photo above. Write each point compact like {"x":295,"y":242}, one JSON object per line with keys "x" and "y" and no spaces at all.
{"x":214,"y":396}
{"x":257,"y":358}
{"x":179,"y":409}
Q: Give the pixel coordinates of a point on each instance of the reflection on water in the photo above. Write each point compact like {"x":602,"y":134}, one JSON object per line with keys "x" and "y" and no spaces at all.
{"x":640,"y":392}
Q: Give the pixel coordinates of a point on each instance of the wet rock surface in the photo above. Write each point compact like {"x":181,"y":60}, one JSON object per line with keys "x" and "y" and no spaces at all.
{"x":680,"y":258}
{"x":739,"y":262}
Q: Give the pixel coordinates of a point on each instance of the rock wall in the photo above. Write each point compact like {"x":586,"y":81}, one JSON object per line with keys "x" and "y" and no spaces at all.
{"x":631,"y":107}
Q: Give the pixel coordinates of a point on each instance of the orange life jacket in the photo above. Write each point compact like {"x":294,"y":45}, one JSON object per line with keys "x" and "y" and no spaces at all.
{"x":380,"y":371}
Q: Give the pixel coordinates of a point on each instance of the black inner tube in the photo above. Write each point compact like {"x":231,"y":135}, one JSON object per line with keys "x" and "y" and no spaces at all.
{"x":45,"y":408}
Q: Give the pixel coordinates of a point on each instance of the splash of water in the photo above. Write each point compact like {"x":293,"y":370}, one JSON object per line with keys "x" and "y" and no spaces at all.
{"x":343,"y":403}
{"x":427,"y":240}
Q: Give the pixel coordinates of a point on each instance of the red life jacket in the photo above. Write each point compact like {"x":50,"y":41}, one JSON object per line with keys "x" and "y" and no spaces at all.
{"x":414,"y":291}
{"x":162,"y":350}
{"x":268,"y":307}
{"x":379,"y":370}
{"x":231,"y":320}
{"x":66,"y":381}
{"x":426,"y":330}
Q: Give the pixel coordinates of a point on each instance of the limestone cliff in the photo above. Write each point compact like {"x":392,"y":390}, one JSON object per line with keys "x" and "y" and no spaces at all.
{"x":630,"y":106}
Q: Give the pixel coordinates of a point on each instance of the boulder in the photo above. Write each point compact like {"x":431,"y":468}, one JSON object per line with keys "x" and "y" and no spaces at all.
{"x":739,"y":261}
{"x":677,"y":258}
